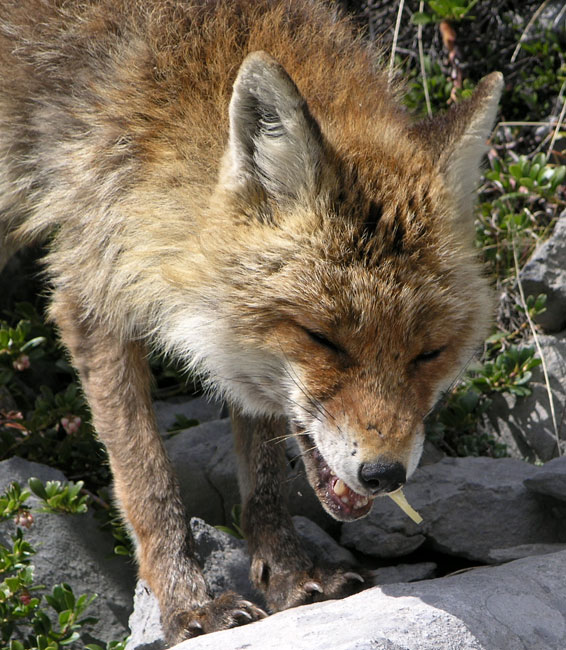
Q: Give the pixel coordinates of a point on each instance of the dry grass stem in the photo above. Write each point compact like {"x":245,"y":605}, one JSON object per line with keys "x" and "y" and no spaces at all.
{"x":422,"y":62}
{"x":395,"y":38}
{"x":539,"y":350}
{"x":531,"y":22}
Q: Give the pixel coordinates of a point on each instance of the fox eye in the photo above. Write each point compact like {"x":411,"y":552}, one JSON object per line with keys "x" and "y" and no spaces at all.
{"x":429,"y":355}
{"x":321,"y":340}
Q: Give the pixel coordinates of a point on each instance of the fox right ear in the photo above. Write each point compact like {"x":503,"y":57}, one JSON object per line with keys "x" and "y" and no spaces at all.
{"x":457,"y":140}
{"x":274,"y":140}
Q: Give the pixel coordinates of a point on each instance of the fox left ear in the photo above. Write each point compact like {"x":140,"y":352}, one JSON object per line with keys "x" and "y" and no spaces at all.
{"x":274,"y":140}
{"x":458,"y":139}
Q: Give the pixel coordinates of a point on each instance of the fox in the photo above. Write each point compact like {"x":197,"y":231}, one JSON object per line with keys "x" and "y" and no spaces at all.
{"x":237,"y":185}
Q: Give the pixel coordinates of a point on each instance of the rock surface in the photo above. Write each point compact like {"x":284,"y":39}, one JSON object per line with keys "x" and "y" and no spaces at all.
{"x":513,"y":607}
{"x":226,"y":566}
{"x":481,"y":509}
{"x":525,"y":423}
{"x":545,"y":273}
{"x":73,"y":549}
{"x":199,"y":409}
{"x":470,"y":507}
{"x":205,"y":465}
{"x":550,"y":479}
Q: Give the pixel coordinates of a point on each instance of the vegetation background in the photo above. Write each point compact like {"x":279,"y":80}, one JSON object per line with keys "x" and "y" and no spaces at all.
{"x":442,"y":48}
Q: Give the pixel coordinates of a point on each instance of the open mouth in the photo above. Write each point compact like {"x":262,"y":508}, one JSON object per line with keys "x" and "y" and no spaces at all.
{"x":337,"y":498}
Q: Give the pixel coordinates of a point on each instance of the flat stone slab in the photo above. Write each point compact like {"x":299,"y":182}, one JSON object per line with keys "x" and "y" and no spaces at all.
{"x":518,"y":606}
{"x":469,"y":506}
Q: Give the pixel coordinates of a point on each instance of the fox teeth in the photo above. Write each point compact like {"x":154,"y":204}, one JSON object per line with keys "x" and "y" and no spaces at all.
{"x":340,"y":488}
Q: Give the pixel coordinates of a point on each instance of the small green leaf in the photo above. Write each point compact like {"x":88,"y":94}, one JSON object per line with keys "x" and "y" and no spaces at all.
{"x":37,"y":488}
{"x":421,"y":18}
{"x":516,"y":171}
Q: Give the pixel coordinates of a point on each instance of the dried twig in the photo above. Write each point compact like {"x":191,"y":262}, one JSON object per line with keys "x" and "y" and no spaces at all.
{"x":421,"y":59}
{"x":539,"y":349}
{"x":531,"y":22}
{"x":559,"y":123}
{"x":395,"y":38}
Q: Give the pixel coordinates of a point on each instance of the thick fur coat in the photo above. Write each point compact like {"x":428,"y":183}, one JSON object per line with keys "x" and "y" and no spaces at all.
{"x":236,"y":184}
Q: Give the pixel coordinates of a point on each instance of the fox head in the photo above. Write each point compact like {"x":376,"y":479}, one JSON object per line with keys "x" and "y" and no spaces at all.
{"x":345,"y":290}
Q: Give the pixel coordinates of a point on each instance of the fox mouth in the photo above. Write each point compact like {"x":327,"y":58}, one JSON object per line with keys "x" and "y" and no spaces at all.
{"x":336,"y":497}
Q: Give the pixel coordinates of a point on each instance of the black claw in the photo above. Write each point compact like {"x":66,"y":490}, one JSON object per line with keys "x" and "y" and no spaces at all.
{"x":242,"y":613}
{"x":194,"y":627}
{"x":351,"y":575}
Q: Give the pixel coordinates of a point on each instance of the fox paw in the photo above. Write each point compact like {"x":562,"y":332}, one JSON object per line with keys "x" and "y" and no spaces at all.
{"x":226,"y":611}
{"x":284,"y":588}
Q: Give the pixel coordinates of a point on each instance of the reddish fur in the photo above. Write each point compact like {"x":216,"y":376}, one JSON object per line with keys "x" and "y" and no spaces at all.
{"x":115,"y":143}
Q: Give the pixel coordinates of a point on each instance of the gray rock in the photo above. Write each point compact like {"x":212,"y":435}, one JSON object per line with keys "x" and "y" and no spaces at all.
{"x":320,"y":546}
{"x":550,"y":479}
{"x":546,"y":273}
{"x":192,"y":452}
{"x":20,"y":470}
{"x":388,"y":575}
{"x":145,"y":621}
{"x":193,"y":408}
{"x":501,"y":555}
{"x":224,"y":560}
{"x":226,"y":566}
{"x":431,"y":454}
{"x":516,"y":606}
{"x":73,"y":549}
{"x":525,"y":423}
{"x":469,"y":506}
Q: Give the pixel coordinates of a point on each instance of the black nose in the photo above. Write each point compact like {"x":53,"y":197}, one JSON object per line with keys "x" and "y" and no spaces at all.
{"x":382,"y":476}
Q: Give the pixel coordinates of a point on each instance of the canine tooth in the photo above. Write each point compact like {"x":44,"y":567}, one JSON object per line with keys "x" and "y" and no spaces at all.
{"x":340,"y":487}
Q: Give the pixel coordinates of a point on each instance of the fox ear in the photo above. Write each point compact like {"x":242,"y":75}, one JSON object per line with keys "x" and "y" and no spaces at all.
{"x":458,"y":139}
{"x":274,"y":140}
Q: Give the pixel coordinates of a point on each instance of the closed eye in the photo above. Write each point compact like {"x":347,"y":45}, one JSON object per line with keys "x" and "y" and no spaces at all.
{"x":429,"y":355}
{"x":324,"y":342}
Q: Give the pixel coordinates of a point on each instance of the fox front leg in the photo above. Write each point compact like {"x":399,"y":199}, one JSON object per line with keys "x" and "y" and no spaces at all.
{"x":116,"y":380}
{"x":280,"y":567}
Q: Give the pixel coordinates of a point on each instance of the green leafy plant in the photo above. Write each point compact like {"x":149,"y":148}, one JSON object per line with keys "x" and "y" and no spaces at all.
{"x":182,"y":422}
{"x":236,"y":529}
{"x":541,"y":71}
{"x":520,"y":200}
{"x":18,"y":349}
{"x":440,"y":88}
{"x":109,"y":518}
{"x":509,"y":372}
{"x":12,"y":502}
{"x":32,"y":618}
{"x":60,"y":497}
{"x":444,"y":10}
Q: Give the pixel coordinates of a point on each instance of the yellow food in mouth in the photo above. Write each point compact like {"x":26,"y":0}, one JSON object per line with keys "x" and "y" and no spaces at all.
{"x":401,"y":500}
